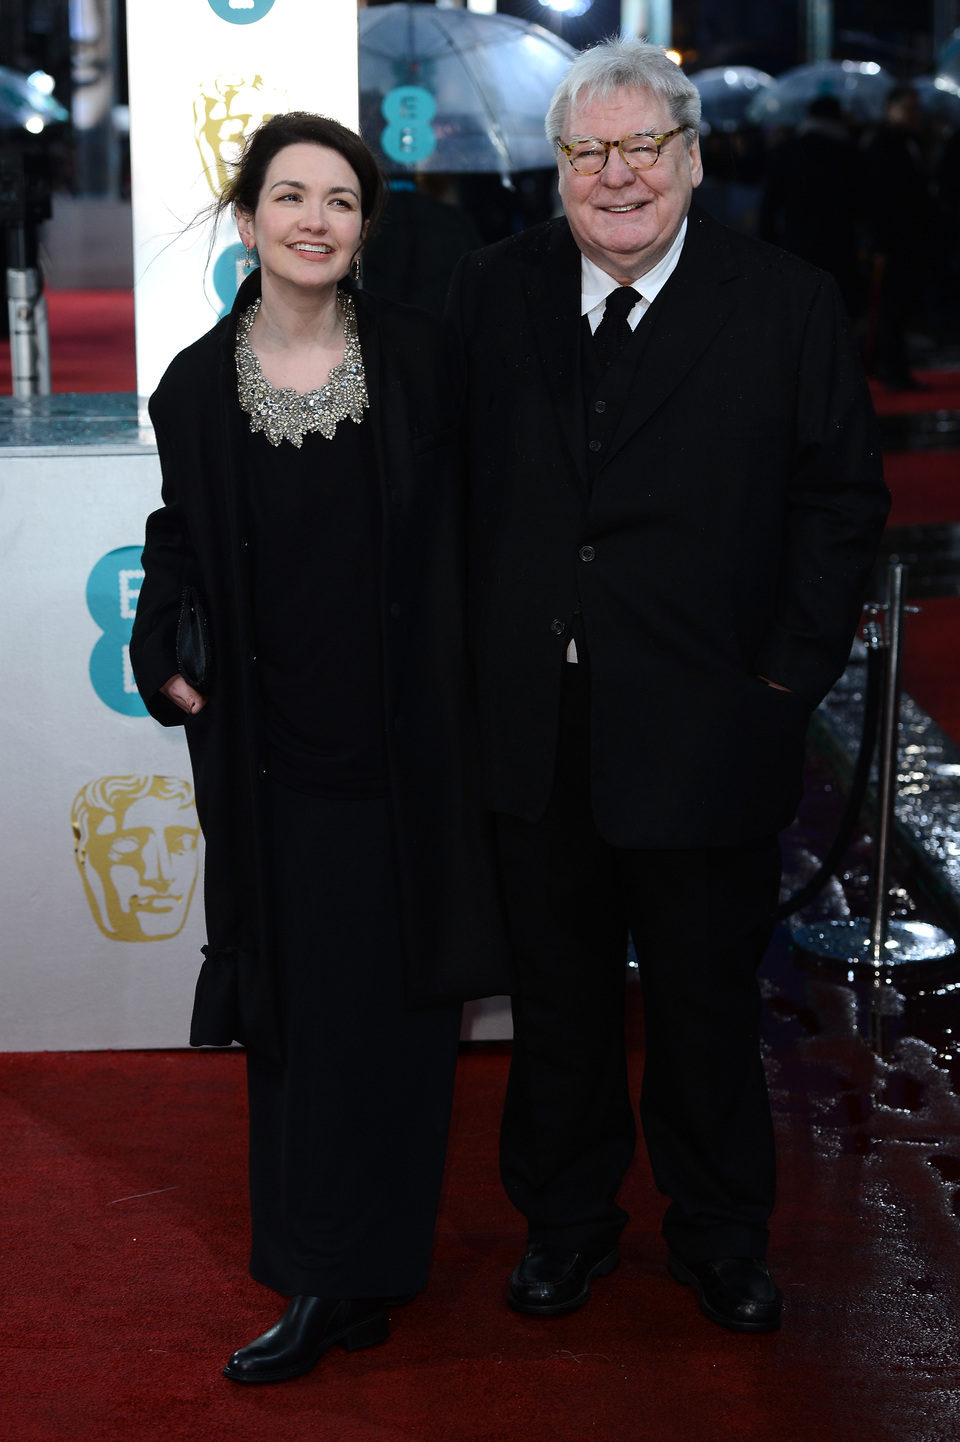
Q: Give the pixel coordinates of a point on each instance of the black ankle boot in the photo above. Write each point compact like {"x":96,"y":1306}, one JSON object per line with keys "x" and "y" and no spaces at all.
{"x":307,"y":1328}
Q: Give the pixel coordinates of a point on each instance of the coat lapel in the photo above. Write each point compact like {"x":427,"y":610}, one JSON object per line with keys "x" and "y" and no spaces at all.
{"x":551,"y":299}
{"x":369,"y":335}
{"x":683,"y":321}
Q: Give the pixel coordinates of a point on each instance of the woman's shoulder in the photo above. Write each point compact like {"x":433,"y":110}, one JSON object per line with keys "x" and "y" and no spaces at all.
{"x":195,"y":360}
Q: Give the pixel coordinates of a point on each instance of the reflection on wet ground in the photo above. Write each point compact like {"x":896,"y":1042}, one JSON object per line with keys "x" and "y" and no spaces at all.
{"x":885,"y":1007}
{"x":864,"y":1063}
{"x":864,"y":1071}
{"x":905,"y":1019}
{"x":864,"y":1076}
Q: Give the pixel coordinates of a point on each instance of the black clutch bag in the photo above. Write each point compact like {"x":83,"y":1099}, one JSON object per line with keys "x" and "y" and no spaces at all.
{"x":194,"y":649}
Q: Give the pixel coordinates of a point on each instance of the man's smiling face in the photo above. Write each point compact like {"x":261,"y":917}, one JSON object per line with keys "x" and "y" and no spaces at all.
{"x":625,"y":220}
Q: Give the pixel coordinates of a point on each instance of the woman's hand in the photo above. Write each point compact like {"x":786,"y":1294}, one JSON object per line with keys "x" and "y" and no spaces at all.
{"x":183,"y":695}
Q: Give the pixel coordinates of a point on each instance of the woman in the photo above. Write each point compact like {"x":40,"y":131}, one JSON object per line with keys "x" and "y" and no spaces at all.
{"x":311,"y":502}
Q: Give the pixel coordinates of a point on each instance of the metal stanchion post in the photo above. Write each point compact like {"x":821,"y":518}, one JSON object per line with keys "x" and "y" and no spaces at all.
{"x":24,"y":205}
{"x":878,"y":941}
{"x":29,"y":333}
{"x":887,"y":765}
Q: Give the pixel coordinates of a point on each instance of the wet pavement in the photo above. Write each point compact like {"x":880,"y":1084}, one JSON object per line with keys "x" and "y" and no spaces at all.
{"x":864,"y":1062}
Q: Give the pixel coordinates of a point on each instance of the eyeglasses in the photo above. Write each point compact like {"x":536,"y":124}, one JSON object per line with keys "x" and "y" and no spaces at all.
{"x":589,"y":156}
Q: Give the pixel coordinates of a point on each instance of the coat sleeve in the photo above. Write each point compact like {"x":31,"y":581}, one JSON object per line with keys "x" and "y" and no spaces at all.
{"x":836,"y":506}
{"x":169,"y":564}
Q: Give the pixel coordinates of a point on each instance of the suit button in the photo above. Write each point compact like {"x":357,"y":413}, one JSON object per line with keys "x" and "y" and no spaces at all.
{"x":587,"y":553}
{"x":395,"y":610}
{"x":394,"y":497}
{"x":599,"y":407}
{"x":558,"y":627}
{"x":595,"y":446}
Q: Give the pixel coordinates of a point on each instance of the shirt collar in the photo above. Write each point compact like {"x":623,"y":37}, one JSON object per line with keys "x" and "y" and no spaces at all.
{"x":596,"y":284}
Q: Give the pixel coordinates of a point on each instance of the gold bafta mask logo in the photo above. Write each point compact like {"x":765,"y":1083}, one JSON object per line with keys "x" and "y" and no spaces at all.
{"x":224,"y":113}
{"x":136,"y":840}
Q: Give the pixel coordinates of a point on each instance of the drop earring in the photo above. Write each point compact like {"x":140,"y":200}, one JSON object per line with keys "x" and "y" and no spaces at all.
{"x":248,"y":254}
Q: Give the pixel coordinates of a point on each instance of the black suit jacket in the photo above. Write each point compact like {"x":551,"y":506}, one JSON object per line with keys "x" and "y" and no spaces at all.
{"x":730,"y":528}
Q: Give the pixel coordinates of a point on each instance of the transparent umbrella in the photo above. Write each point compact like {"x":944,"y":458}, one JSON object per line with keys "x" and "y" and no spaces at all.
{"x":940,"y":97}
{"x":861,"y":87}
{"x":24,"y":107}
{"x":456,"y":91}
{"x":948,"y":58}
{"x":726,"y":91}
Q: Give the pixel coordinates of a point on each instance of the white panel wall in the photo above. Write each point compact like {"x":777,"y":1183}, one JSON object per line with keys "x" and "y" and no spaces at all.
{"x":70,"y":977}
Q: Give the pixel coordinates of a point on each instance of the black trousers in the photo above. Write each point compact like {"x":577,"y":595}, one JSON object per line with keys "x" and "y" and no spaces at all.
{"x":701,"y":921}
{"x":348,"y":1135}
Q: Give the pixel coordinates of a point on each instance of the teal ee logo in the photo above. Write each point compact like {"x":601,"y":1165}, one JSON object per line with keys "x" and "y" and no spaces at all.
{"x":409,"y":136}
{"x":112,"y":593}
{"x":226,"y":276}
{"x":241,"y":12}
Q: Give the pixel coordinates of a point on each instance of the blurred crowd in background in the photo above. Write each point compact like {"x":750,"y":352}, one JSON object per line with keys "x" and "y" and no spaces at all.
{"x":853,"y":164}
{"x":875,"y":203}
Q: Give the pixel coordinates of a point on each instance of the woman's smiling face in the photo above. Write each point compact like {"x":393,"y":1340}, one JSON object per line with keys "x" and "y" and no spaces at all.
{"x":308,"y":224}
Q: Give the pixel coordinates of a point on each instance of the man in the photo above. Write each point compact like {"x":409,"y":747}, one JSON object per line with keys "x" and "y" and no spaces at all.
{"x":814,"y":197}
{"x":671,"y":529}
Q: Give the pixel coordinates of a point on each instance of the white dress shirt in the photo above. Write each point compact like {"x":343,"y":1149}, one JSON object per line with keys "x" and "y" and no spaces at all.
{"x":596,"y":285}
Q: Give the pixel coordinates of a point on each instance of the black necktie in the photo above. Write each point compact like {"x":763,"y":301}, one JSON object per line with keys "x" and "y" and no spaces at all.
{"x":613,"y":331}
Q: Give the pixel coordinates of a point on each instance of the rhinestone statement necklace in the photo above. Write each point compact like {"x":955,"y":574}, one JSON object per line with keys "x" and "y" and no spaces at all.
{"x":285,"y":414}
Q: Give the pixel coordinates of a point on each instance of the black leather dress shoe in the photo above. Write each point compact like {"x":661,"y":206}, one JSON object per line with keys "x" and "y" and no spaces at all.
{"x":549,"y":1281}
{"x":307,"y":1328}
{"x":736,"y":1292}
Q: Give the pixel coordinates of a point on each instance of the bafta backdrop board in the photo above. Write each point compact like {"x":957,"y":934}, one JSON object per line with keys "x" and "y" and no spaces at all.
{"x":202,"y":74}
{"x":99,"y":887}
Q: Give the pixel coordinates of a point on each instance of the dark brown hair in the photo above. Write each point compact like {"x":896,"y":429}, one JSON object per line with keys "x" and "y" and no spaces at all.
{"x":298,"y":127}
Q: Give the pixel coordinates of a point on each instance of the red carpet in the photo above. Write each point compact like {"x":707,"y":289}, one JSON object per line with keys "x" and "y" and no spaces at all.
{"x":92,"y":344}
{"x":942,"y":393}
{"x":931,"y":673}
{"x":925,"y":491}
{"x":123,"y":1272}
{"x":924,"y":486}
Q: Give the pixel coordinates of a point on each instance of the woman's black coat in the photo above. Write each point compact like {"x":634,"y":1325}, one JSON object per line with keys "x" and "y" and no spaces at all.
{"x":202,"y":537}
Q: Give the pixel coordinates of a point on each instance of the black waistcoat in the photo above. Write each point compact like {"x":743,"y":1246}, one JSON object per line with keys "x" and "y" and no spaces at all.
{"x":605,"y":390}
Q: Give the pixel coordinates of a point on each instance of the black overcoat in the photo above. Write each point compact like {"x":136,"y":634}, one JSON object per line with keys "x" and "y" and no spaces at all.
{"x":724,"y":530}
{"x":202,"y":536}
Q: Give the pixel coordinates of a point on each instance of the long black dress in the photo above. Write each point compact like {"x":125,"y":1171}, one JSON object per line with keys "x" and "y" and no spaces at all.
{"x":347,"y":1133}
{"x":327,"y":787}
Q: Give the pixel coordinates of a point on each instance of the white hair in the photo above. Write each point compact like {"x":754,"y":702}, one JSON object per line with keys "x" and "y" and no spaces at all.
{"x":616,"y":65}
